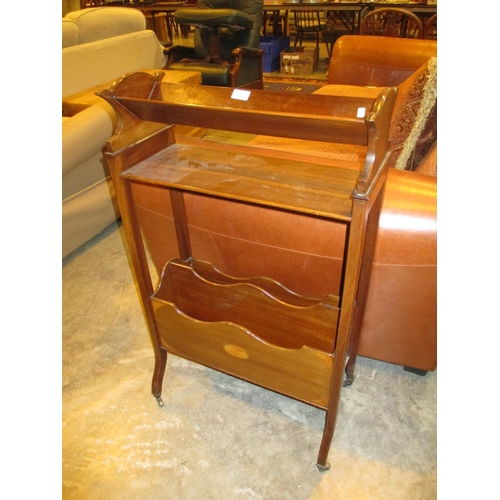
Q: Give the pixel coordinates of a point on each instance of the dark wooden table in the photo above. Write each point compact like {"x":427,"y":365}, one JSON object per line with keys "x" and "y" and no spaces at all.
{"x":349,"y":14}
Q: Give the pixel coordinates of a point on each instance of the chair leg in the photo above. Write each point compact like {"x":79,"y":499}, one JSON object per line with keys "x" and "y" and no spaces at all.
{"x":298,"y":38}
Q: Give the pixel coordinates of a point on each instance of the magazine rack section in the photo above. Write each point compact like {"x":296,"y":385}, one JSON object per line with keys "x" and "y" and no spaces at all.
{"x":252,"y":328}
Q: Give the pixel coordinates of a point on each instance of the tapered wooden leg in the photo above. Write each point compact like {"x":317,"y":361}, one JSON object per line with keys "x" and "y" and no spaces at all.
{"x":158,"y":375}
{"x":324,"y":448}
{"x":363,"y":286}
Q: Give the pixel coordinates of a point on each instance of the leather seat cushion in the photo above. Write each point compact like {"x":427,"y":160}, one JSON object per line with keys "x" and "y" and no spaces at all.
{"x":214,"y":17}
{"x":211,"y":74}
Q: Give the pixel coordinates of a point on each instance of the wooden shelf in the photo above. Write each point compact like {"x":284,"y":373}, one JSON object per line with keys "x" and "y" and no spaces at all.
{"x":299,"y":186}
{"x":242,"y":328}
{"x":252,"y":327}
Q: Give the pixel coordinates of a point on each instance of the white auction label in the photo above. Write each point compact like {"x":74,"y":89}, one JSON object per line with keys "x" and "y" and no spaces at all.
{"x":241,"y":95}
{"x":361,"y":113}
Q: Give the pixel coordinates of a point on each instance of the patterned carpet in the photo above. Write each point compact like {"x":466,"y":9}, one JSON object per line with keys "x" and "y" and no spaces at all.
{"x":305,"y":86}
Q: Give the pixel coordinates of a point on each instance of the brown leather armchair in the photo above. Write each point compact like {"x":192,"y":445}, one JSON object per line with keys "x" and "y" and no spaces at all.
{"x":401,"y":315}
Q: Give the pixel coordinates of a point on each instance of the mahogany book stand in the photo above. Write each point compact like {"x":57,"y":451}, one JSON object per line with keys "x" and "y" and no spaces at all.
{"x":251,"y":328}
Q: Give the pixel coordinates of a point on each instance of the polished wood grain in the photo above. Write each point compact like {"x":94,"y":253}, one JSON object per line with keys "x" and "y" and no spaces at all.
{"x":304,"y":116}
{"x":252,"y":328}
{"x":303,"y":373}
{"x":277,"y":317}
{"x":299,"y":186}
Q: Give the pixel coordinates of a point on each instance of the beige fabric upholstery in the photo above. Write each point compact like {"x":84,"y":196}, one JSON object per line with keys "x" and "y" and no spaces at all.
{"x":88,"y":65}
{"x":86,"y":213}
{"x":91,"y":127}
{"x":108,"y":43}
{"x":87,"y":193}
{"x":69,"y":33}
{"x":100,"y":23}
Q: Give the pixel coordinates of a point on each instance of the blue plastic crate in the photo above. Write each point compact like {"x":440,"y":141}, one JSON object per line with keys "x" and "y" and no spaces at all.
{"x":272,"y":47}
{"x":270,"y":65}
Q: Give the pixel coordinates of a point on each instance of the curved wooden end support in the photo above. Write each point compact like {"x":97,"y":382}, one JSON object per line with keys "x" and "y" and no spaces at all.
{"x":137,"y":85}
{"x":377,"y":123}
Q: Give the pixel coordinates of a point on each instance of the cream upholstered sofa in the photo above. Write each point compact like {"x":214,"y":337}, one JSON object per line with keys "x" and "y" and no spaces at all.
{"x":99,"y":45}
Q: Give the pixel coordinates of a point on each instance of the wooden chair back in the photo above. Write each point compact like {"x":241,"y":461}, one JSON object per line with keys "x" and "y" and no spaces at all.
{"x":392,"y":22}
{"x":308,"y":21}
{"x":431,"y":28}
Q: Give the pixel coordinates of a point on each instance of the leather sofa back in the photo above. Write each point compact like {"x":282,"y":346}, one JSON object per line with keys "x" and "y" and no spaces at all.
{"x":376,"y":60}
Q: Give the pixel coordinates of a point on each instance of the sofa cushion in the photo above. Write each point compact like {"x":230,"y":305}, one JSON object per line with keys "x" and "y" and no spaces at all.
{"x":106,"y":22}
{"x":69,"y":33}
{"x":413,"y":129}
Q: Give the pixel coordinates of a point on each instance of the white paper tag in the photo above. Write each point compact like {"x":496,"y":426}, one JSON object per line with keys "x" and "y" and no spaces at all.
{"x":361,"y":113}
{"x":240,"y":95}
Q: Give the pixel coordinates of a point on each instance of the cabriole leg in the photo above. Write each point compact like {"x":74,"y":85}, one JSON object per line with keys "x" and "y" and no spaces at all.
{"x":158,"y":374}
{"x":324,"y":448}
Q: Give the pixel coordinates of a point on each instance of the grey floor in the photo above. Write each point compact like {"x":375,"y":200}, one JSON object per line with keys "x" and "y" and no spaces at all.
{"x":218,"y":437}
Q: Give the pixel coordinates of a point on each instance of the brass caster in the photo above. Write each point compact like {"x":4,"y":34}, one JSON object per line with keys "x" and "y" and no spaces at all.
{"x":159,"y":401}
{"x":348,"y":381}
{"x":323,"y":468}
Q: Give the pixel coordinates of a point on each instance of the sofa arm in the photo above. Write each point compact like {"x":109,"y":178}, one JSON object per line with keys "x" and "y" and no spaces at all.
{"x":400,"y":321}
{"x":85,"y":134}
{"x":247,"y":68}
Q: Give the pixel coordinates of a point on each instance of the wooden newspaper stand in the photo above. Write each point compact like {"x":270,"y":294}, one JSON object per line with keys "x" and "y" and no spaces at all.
{"x":251,"y":328}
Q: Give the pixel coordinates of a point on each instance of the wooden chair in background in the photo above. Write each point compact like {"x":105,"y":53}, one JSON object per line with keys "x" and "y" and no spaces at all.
{"x":391,"y":21}
{"x":431,"y":28}
{"x":275,"y":22}
{"x":308,"y":21}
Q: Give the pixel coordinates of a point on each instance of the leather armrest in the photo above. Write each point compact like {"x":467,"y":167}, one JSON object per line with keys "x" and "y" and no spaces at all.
{"x":177,"y":52}
{"x":410,"y":209}
{"x":247,"y":51}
